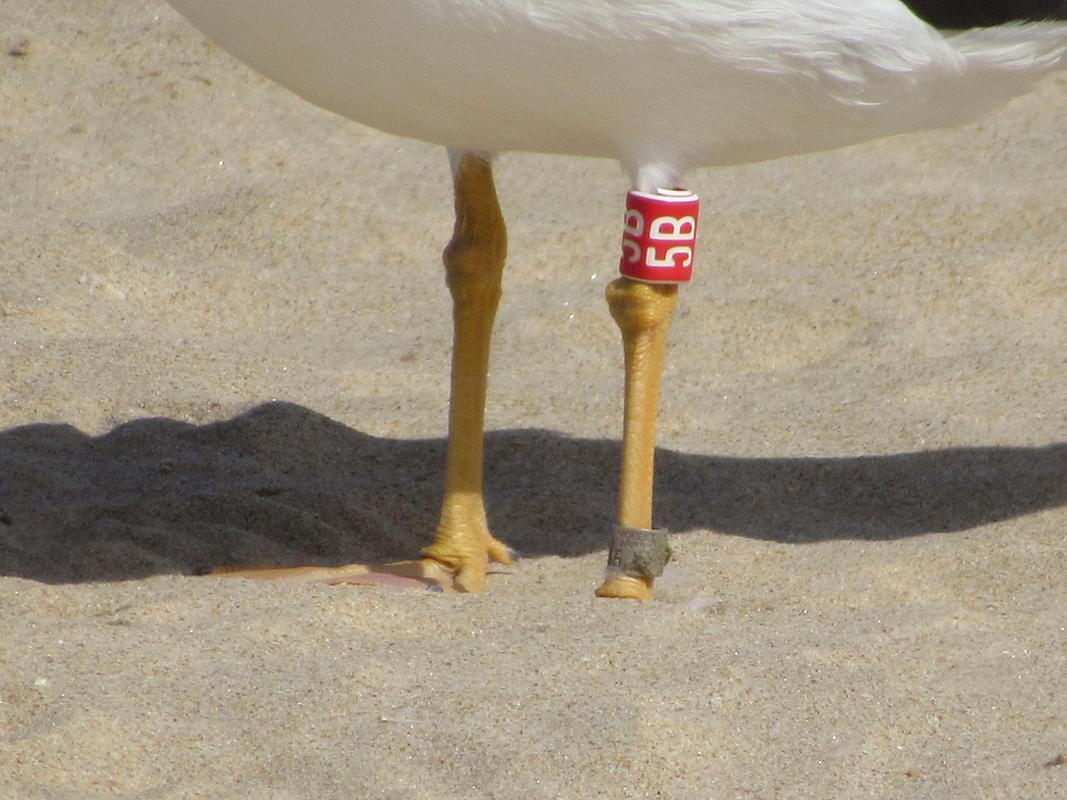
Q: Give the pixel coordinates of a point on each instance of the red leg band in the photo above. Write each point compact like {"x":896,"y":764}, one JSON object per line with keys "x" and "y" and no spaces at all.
{"x":659,"y":236}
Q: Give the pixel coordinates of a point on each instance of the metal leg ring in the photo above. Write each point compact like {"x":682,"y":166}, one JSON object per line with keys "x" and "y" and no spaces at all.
{"x":641,"y":552}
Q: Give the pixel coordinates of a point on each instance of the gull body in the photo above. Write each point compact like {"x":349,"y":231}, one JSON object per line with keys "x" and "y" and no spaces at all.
{"x":660,"y":85}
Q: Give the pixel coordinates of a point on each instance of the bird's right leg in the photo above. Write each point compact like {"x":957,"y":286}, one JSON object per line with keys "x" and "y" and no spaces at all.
{"x":474,"y":264}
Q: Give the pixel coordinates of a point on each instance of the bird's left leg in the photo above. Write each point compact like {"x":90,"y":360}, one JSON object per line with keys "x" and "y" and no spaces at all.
{"x":659,"y":235}
{"x":643,"y":313}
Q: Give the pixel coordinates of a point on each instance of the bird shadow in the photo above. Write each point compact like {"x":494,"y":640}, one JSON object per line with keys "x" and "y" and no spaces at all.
{"x":284,"y":485}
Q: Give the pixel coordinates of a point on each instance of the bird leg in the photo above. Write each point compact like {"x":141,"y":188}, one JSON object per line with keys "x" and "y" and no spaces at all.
{"x":643,"y":314}
{"x":474,"y":264}
{"x":463,"y":546}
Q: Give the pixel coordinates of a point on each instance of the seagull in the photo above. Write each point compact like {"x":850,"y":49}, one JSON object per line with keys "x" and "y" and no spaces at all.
{"x":661,"y":86}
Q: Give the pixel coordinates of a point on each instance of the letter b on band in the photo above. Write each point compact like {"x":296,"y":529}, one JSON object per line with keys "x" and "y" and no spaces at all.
{"x":659,"y":236}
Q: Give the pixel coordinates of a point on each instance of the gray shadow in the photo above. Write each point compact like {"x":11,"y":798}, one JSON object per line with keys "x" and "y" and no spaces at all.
{"x":283,"y":485}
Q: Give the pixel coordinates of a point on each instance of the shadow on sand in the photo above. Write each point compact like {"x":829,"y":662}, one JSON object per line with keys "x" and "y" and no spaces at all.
{"x":283,"y":485}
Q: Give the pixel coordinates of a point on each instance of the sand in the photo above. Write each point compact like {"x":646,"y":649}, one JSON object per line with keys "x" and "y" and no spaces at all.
{"x":224,"y":339}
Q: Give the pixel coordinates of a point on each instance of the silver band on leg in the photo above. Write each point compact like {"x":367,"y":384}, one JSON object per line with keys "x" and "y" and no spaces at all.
{"x":641,"y":552}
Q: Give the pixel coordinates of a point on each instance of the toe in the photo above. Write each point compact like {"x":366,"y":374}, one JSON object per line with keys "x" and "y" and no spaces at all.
{"x":499,"y":552}
{"x":470,"y":578}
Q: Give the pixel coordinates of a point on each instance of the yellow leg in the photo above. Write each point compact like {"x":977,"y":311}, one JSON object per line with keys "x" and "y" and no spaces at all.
{"x":474,"y":263}
{"x":643,"y":314}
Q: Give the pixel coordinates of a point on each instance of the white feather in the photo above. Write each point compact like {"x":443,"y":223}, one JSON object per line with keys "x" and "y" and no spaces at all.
{"x":661,"y":85}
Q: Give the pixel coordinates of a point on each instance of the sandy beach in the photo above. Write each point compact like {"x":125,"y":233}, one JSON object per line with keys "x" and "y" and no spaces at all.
{"x":224,"y":341}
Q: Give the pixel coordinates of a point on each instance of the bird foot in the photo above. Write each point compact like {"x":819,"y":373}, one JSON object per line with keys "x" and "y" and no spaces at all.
{"x":463,"y":545}
{"x":625,"y":587}
{"x":465,"y":556}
